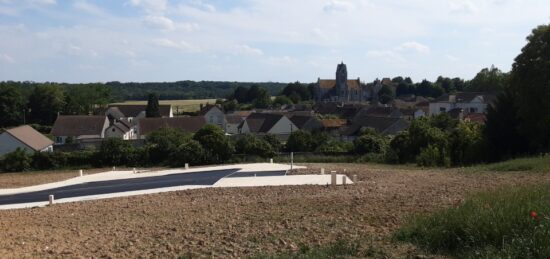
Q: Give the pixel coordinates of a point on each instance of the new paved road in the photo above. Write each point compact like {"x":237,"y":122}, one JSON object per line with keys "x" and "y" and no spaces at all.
{"x":124,"y":185}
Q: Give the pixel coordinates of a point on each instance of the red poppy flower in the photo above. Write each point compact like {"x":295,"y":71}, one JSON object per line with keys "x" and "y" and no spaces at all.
{"x":534,"y":215}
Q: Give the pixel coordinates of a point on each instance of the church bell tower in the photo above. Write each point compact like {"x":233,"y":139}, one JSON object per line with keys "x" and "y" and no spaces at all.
{"x":341,"y":81}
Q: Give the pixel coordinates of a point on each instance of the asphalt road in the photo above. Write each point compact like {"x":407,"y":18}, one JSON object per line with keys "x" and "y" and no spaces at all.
{"x":124,"y":185}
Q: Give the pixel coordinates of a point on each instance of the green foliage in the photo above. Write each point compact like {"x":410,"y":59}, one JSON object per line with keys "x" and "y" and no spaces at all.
{"x":339,"y":249}
{"x":432,"y":156}
{"x":488,"y":225}
{"x":163,"y":142}
{"x":369,"y":143}
{"x":114,"y":152}
{"x":502,"y":128}
{"x":85,"y":99}
{"x":334,"y":147}
{"x":218,"y":147}
{"x":539,"y":164}
{"x":252,"y":145}
{"x":530,"y":80}
{"x":152,"y":109}
{"x":385,"y":95}
{"x":16,"y":161}
{"x":12,"y":105}
{"x":488,"y":80}
{"x":45,"y":102}
{"x":467,"y":145}
{"x":300,"y":141}
{"x":282,"y":100}
{"x":275,"y":143}
{"x":190,"y":151}
{"x":297,"y":92}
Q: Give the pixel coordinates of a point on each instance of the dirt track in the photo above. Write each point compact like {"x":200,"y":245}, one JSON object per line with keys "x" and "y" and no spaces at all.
{"x":247,"y":221}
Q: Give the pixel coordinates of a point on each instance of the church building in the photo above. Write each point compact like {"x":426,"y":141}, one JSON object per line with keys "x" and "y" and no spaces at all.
{"x":341,"y":89}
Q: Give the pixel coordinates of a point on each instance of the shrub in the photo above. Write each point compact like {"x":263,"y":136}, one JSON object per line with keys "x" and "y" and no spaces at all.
{"x":300,"y":141}
{"x":432,"y":156}
{"x":252,"y":145}
{"x":115,"y":152}
{"x":218,"y":147}
{"x":190,"y":152}
{"x":275,"y":143}
{"x":334,"y":147}
{"x":163,"y":142}
{"x":369,"y":144}
{"x":45,"y":161}
{"x":16,"y":161}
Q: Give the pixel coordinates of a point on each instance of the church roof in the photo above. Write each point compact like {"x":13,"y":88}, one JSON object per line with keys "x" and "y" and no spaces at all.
{"x":331,"y":83}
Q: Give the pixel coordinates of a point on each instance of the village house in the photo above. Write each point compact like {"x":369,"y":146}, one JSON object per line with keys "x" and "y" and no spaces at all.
{"x":26,"y":138}
{"x":122,"y":129}
{"x":333,"y":126}
{"x":76,"y":128}
{"x":186,"y":124}
{"x":267,"y":123}
{"x":306,"y":123}
{"x":213,"y":115}
{"x":469,"y":102}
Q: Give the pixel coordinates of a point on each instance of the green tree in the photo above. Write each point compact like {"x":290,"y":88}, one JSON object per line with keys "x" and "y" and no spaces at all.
{"x":252,"y":145}
{"x":190,"y":151}
{"x":86,"y":98}
{"x":45,"y":102}
{"x":530,"y":80}
{"x":152,"y":109}
{"x":467,"y":145}
{"x":297,"y":92}
{"x":300,"y":141}
{"x":16,"y":161}
{"x":12,"y":105}
{"x":164,"y":142}
{"x":241,"y":94}
{"x":369,"y":143}
{"x":114,"y":152}
{"x":385,"y":95}
{"x":218,"y":147}
{"x":489,"y":80}
{"x":275,"y":143}
{"x":282,"y":100}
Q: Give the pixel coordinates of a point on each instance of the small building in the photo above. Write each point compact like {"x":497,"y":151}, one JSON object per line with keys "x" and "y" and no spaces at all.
{"x":213,"y":115}
{"x":26,"y":138}
{"x":476,"y":117}
{"x":74,"y":128}
{"x":469,"y":102}
{"x":267,"y":123}
{"x":306,"y":123}
{"x":186,"y":124}
{"x":412,"y":113}
{"x":333,"y":126}
{"x":382,"y":125}
{"x":122,"y":129}
{"x":232,"y":124}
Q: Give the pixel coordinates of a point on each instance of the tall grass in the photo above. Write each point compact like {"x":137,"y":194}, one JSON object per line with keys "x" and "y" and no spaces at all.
{"x":533,"y":164}
{"x":338,"y":249}
{"x":488,"y":225}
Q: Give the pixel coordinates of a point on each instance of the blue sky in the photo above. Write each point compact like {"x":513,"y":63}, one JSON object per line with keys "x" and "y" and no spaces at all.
{"x":260,"y":40}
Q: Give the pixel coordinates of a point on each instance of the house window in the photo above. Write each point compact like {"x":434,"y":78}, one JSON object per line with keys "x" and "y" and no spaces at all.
{"x":211,"y":119}
{"x":58,"y":140}
{"x":220,"y":119}
{"x":442,"y":109}
{"x":473,"y":110}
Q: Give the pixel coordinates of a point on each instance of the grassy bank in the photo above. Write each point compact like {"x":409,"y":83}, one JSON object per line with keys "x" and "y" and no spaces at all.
{"x":510,"y":223}
{"x":531,"y":164}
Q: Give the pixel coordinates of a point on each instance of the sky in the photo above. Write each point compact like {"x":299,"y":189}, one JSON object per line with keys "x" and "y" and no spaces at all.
{"x":260,"y":40}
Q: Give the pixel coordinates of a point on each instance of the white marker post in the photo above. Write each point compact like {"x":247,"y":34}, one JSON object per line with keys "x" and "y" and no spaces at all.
{"x":186,"y":166}
{"x":344,"y":178}
{"x":333,"y":178}
{"x":271,"y":161}
{"x":322,"y":170}
{"x":114,"y":168}
{"x":80,"y":173}
{"x":354,"y":178}
{"x":135,"y":171}
{"x":51,"y":199}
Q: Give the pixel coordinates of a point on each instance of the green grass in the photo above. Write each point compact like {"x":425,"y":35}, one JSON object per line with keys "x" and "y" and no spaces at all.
{"x":532,"y":164}
{"x":339,"y":249}
{"x":488,"y":225}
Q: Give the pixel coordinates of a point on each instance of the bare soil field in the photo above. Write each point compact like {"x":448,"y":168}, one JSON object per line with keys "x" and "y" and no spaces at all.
{"x":243,"y":222}
{"x":15,"y":180}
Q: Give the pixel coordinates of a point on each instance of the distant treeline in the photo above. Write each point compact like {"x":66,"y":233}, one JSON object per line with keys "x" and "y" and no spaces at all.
{"x":184,"y":89}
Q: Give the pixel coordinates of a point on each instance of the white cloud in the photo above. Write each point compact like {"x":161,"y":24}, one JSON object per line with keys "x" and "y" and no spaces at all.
{"x":414,"y":46}
{"x":159,"y":22}
{"x":387,"y":56}
{"x":247,"y":50}
{"x":451,"y":58}
{"x":151,"y":6}
{"x":282,"y":61}
{"x":6,"y":58}
{"x":180,"y":45}
{"x":87,"y":7}
{"x":463,"y":6}
{"x":338,"y":5}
